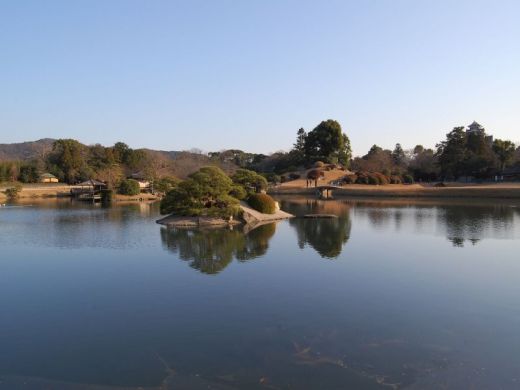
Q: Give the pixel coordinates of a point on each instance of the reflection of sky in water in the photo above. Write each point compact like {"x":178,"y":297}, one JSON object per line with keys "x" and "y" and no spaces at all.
{"x":93,"y":295}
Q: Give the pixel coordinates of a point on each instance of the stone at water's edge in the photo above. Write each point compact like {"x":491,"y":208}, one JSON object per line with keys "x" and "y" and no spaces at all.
{"x":249,"y":216}
{"x":193,"y":222}
{"x":252,"y":216}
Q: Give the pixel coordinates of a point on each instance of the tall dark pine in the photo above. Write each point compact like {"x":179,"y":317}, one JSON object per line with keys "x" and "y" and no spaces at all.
{"x":299,"y":145}
{"x":398,"y":155}
{"x":452,"y":153}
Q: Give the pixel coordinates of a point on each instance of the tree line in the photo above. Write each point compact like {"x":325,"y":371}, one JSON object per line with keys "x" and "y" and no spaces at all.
{"x":462,"y":153}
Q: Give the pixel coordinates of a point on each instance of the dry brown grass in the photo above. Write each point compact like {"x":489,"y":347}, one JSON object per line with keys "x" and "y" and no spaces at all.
{"x":452,"y":190}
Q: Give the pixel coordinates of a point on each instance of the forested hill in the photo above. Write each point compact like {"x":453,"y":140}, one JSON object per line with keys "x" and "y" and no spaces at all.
{"x":25,"y":150}
{"x":72,"y":161}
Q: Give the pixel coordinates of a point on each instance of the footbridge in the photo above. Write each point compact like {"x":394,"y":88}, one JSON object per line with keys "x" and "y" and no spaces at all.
{"x":325,"y":191}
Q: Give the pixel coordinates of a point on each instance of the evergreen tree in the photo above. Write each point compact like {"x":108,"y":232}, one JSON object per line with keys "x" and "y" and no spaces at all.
{"x":504,"y":151}
{"x":299,"y":145}
{"x":328,"y":143}
{"x":398,"y":155}
{"x":451,"y":153}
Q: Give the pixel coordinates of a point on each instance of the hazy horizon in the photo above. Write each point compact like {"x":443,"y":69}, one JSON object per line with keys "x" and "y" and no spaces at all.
{"x":230,"y":75}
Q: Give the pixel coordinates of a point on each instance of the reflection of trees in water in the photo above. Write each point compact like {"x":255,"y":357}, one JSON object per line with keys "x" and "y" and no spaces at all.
{"x":212,"y":250}
{"x":256,"y":242}
{"x":476,"y":222}
{"x":66,"y":224}
{"x":98,"y":226}
{"x":302,"y":206}
{"x":326,"y":236}
{"x":459,"y":221}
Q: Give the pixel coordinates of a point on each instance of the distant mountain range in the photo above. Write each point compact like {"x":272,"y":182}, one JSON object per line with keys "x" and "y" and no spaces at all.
{"x":25,"y":150}
{"x":34,"y":149}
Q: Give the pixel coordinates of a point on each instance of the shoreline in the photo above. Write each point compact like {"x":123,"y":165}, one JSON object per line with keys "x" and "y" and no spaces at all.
{"x":452,"y":191}
{"x":61,"y":191}
{"x":491,"y":191}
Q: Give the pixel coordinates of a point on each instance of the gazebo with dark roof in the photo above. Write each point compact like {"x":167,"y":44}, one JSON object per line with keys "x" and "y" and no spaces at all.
{"x":96,"y":185}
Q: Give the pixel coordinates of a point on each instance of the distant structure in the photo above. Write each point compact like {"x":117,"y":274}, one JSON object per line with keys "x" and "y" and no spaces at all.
{"x":48,"y":178}
{"x":477,"y":128}
{"x":90,"y":190}
{"x":144,"y":184}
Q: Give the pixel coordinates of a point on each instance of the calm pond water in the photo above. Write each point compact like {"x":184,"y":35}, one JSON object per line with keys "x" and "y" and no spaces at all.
{"x":392,"y":294}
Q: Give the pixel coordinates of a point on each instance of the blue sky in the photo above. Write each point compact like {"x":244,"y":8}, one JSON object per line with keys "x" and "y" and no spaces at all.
{"x":247,"y":74}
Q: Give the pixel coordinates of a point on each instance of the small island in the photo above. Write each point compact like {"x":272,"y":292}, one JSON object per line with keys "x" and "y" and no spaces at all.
{"x":210,"y":198}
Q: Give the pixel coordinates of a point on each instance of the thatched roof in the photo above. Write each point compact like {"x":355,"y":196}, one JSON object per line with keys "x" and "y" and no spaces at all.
{"x":47,"y":176}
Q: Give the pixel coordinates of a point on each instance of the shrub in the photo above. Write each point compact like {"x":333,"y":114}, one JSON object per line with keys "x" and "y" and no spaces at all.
{"x":262,"y":203}
{"x":382,"y":179}
{"x":294,"y":176}
{"x":319,"y":164}
{"x":129,"y":187}
{"x":272,"y":178}
{"x":372,"y":179}
{"x":362,"y":178}
{"x":250,"y":180}
{"x":408,"y":179}
{"x":237,"y":191}
{"x":394,"y":179}
{"x":165,"y":184}
{"x":441,"y":184}
{"x":13,"y":192}
{"x":349,"y":179}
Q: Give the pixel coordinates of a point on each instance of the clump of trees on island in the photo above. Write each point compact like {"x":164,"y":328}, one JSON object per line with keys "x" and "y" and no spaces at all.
{"x":211,"y":192}
{"x":206,"y":192}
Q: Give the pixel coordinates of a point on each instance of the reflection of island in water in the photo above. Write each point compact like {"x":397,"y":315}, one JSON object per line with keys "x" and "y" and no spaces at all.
{"x":326,"y":235}
{"x":212,"y":250}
